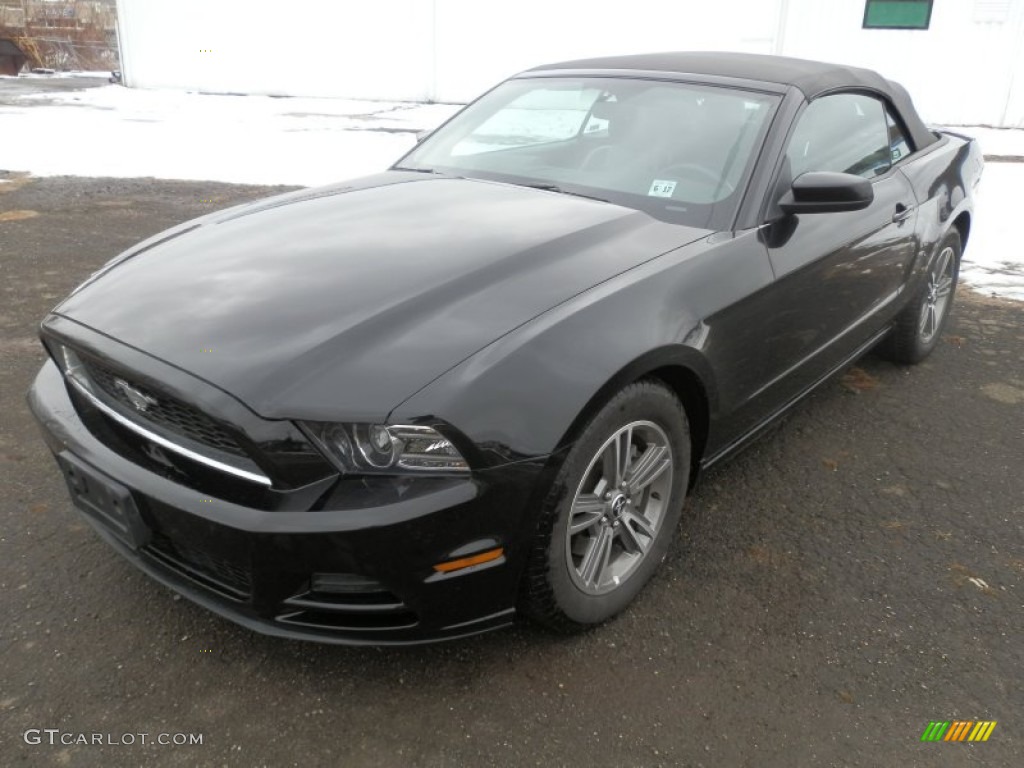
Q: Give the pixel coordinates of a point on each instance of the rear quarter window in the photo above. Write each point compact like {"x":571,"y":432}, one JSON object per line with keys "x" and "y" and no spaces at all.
{"x":899,"y":147}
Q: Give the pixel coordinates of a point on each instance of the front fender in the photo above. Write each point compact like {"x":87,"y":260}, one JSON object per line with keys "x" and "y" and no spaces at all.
{"x":529,"y":393}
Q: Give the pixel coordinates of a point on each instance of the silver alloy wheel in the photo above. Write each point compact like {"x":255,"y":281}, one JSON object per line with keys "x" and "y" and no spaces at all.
{"x":619,"y":507}
{"x":939,"y":288}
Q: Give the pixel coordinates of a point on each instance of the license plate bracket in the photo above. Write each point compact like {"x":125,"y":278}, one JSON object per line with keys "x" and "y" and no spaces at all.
{"x":105,"y":500}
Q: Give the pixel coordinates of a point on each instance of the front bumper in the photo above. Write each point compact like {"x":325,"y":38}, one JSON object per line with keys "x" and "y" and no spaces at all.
{"x":272,"y":570}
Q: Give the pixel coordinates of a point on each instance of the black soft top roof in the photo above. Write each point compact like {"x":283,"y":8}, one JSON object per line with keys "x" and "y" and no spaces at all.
{"x":812,"y":78}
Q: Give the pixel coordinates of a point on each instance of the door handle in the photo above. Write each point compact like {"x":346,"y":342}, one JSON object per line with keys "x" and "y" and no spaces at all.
{"x":902,"y":212}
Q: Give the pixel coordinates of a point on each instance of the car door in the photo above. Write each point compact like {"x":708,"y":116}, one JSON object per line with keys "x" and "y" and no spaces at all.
{"x":837,"y":275}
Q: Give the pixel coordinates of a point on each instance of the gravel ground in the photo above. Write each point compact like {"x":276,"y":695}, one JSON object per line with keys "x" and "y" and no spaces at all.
{"x":854,"y":575}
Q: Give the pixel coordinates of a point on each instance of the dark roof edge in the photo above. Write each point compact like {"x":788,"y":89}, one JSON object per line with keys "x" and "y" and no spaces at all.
{"x":653,"y":74}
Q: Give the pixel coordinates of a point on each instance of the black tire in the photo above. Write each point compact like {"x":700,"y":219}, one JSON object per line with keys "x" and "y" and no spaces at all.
{"x":909,"y":343}
{"x":563,"y":599}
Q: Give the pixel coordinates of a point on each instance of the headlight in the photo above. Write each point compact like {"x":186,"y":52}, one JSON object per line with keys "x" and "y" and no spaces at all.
{"x":70,"y":365}
{"x":380,"y":449}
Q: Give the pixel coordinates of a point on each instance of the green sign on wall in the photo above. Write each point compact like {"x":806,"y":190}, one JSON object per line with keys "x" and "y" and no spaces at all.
{"x":897,"y":14}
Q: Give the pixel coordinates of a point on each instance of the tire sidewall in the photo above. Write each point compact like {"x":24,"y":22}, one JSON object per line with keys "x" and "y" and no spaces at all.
{"x":653,"y":403}
{"x":924,"y":348}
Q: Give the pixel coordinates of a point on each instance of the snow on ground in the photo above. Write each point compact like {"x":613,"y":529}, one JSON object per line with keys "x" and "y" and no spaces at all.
{"x":115,"y":131}
{"x":1001,"y":142}
{"x":58,"y":75}
{"x":993,"y":262}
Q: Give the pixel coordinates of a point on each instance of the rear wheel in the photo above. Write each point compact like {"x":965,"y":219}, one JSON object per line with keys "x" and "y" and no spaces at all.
{"x":919,"y":326}
{"x":609,"y":518}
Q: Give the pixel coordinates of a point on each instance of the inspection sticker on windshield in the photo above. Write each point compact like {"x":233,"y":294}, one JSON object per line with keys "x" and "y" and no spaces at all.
{"x":661,"y":188}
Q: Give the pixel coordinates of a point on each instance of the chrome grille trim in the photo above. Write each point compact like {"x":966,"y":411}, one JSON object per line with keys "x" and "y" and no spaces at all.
{"x":165,"y":414}
{"x":162,"y":441}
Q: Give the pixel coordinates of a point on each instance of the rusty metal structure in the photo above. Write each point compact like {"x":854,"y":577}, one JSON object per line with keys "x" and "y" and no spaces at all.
{"x":62,"y":34}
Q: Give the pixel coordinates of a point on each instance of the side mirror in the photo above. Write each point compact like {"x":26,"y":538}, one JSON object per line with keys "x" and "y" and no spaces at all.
{"x":827,"y":192}
{"x":422,"y":135}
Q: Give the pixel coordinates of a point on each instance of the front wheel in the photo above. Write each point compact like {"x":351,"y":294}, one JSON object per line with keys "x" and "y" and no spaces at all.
{"x":609,"y":518}
{"x":918,"y":327}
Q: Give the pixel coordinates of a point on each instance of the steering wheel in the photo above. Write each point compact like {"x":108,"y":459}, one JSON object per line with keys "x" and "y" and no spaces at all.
{"x":597,"y":158}
{"x":698,"y":173}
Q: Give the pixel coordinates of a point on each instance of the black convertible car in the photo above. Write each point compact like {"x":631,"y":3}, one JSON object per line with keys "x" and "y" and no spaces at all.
{"x":404,"y":408}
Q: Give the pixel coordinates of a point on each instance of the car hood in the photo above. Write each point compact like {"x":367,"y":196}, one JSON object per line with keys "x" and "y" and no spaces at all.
{"x":343,"y":301}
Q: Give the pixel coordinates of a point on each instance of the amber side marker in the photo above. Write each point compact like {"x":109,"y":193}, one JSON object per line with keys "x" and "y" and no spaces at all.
{"x":466,"y":562}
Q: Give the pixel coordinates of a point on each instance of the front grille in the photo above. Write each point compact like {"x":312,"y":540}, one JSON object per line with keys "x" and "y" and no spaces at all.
{"x":165,"y":411}
{"x":224,"y":576}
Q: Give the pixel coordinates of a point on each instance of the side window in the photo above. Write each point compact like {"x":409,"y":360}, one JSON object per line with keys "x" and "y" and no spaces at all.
{"x":898,"y":144}
{"x":845,"y":132}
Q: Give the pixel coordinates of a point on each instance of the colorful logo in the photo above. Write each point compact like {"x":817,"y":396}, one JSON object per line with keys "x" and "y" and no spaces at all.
{"x":958,"y":730}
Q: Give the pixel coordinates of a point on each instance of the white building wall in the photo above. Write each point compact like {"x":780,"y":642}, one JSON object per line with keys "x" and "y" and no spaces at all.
{"x":968,"y":68}
{"x":478,"y":45}
{"x":440,"y":50}
{"x":369,"y":50}
{"x":1013,"y":115}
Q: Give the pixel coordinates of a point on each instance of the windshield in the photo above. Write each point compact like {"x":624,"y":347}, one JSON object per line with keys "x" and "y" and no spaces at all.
{"x":679,"y":151}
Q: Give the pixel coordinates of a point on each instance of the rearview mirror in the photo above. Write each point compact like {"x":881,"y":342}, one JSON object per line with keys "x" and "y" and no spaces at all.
{"x":827,"y":192}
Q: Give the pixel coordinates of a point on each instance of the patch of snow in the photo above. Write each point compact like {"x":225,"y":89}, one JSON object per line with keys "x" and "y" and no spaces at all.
{"x":994,"y":141}
{"x":104,"y":73}
{"x":124,"y":132}
{"x":87,"y":73}
{"x":993,"y":261}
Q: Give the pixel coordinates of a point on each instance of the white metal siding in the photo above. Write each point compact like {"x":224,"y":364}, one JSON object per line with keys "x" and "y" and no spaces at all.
{"x":959,"y":71}
{"x":444,"y":50}
{"x":369,"y":50}
{"x":968,"y":68}
{"x":479,"y":42}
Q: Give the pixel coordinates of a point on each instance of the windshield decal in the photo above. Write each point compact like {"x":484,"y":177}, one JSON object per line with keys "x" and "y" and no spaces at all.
{"x":661,"y":188}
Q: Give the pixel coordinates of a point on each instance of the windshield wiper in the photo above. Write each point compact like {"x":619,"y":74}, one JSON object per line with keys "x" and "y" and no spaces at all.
{"x":417,"y":170}
{"x":559,"y":190}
